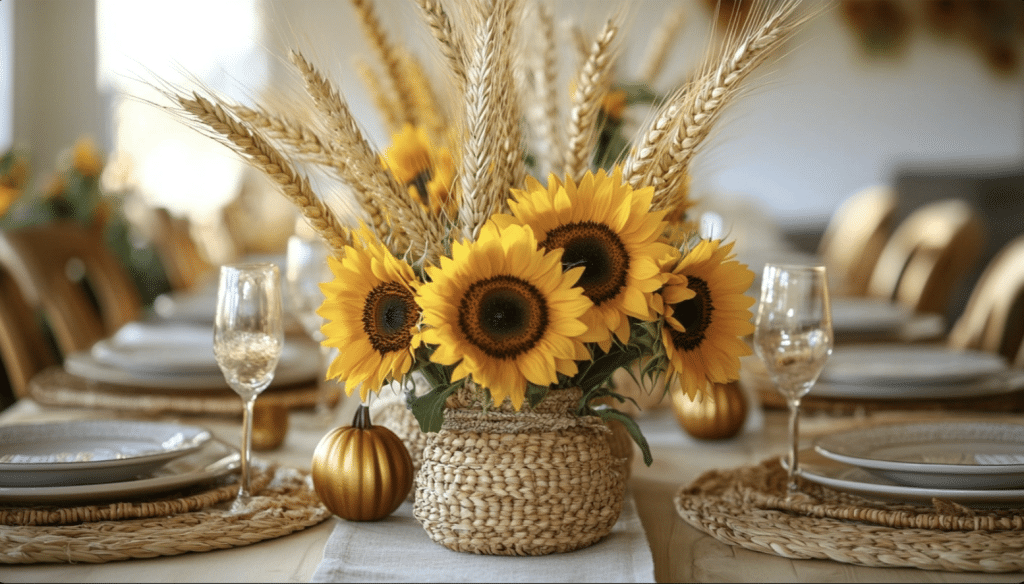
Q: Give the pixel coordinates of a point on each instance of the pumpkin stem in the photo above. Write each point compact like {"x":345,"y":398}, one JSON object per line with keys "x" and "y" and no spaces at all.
{"x":362,"y":418}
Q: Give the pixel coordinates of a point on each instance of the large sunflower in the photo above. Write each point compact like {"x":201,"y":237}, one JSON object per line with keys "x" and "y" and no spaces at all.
{"x":371,"y":314}
{"x":606,"y":227}
{"x":502,"y":310}
{"x":427,"y":171}
{"x":706,"y":313}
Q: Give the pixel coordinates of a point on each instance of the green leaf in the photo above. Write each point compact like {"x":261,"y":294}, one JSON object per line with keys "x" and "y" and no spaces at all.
{"x":429,"y":407}
{"x":602,"y":368}
{"x":631,"y":427}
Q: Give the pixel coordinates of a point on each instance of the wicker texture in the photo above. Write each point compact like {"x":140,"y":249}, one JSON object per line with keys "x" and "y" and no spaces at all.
{"x":526,"y":483}
{"x":747,"y":507}
{"x":286,"y":504}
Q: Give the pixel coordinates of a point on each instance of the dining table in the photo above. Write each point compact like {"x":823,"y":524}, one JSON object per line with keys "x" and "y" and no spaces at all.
{"x":666,"y":518}
{"x":679,"y":552}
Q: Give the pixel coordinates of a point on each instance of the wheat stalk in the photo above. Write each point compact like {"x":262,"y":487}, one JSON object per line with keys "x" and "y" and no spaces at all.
{"x":593,"y":83}
{"x":377,"y":191}
{"x":429,"y":111}
{"x":513,"y":166}
{"x":254,"y":148}
{"x":389,"y":56}
{"x":303,"y":143}
{"x":451,"y":45}
{"x":479,"y":156}
{"x":386,"y":104}
{"x":657,"y":49}
{"x":661,"y":156}
{"x":712,"y":91}
{"x":545,"y":112}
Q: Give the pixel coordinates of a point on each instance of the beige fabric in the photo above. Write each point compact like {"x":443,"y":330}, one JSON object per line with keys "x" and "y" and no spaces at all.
{"x":397,"y":550}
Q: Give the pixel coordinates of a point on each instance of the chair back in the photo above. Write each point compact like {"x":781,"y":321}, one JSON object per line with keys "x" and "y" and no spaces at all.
{"x":993,"y":319}
{"x":84,"y":291}
{"x":928,"y":255}
{"x":24,"y":346}
{"x":183,"y":262}
{"x":855,"y":236}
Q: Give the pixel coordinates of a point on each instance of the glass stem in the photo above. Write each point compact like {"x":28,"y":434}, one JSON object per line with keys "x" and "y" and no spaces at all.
{"x":244,"y":491}
{"x":794,"y":444}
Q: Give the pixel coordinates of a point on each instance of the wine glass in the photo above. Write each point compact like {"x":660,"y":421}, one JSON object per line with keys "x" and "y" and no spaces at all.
{"x":306,"y":268}
{"x":793,"y":336}
{"x":248,"y":335}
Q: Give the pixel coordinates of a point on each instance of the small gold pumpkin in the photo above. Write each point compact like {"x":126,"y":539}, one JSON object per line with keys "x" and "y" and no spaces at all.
{"x":362,"y":472}
{"x":716,"y":415}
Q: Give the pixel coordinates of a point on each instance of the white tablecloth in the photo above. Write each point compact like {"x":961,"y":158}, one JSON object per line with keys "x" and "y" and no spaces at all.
{"x":397,"y":549}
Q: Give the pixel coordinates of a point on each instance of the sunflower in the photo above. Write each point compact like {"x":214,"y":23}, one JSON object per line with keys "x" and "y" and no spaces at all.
{"x":607,"y":228}
{"x":372,"y":316}
{"x":426,"y":170}
{"x":706,"y":313}
{"x":502,"y":311}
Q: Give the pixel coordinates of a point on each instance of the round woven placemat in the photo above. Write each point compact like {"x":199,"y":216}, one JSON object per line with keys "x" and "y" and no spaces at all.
{"x":56,"y":387}
{"x":286,"y":503}
{"x":747,"y":506}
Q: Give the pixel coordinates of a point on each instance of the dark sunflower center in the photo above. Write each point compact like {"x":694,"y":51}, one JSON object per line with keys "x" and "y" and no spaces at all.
{"x":419,"y":182}
{"x":695,"y":315}
{"x":389,"y":312}
{"x":503,"y":316}
{"x":599,"y":250}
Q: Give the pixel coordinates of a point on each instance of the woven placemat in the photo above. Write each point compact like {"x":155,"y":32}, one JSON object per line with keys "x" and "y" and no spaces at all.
{"x":747,"y":506}
{"x":56,"y":387}
{"x":285,"y":503}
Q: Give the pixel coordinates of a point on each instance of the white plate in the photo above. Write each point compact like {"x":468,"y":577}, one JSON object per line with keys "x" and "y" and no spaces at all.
{"x":300,"y":362}
{"x":856,"y":480}
{"x":168,"y":347}
{"x":887,"y":363}
{"x":91,"y":451}
{"x":211,"y":462}
{"x":1000,"y":383}
{"x":864,"y":315}
{"x":952,"y":454}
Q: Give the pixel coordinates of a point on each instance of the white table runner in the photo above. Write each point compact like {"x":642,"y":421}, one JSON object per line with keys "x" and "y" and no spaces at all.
{"x":397,"y":549}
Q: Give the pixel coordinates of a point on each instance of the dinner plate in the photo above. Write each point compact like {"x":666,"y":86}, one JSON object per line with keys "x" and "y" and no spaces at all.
{"x":996,"y":384}
{"x":889,"y":363}
{"x":853,"y":479}
{"x":91,"y":451}
{"x":867,"y":315}
{"x":216,"y":459}
{"x":169,"y":347}
{"x":300,"y":362}
{"x":951,"y":454}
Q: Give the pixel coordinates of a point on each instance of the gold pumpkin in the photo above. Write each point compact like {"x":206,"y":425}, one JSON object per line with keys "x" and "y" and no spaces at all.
{"x":718,"y":415}
{"x":362,"y":472}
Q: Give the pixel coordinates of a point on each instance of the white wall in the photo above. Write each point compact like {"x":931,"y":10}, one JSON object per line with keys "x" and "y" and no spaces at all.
{"x":6,"y":80}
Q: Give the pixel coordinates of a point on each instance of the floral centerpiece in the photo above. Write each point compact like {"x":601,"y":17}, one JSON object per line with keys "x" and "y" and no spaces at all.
{"x":502,"y":273}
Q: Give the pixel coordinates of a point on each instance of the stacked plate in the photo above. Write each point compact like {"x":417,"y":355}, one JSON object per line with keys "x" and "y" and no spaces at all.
{"x":178,"y":356}
{"x":73,"y":462}
{"x":907,"y":371}
{"x":961,"y":461}
{"x":863,"y":316}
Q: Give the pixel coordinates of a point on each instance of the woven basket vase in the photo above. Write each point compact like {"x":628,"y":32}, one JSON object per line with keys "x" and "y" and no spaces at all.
{"x":538,"y":481}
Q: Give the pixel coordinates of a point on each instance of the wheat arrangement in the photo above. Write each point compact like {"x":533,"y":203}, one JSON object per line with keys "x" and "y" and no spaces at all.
{"x":455,"y":259}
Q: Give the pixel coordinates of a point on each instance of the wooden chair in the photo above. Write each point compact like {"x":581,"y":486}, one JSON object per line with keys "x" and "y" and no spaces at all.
{"x":928,"y":255}
{"x":184,"y":264}
{"x":855,"y":236}
{"x":24,"y":345}
{"x":83,"y":290}
{"x":993,"y":319}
